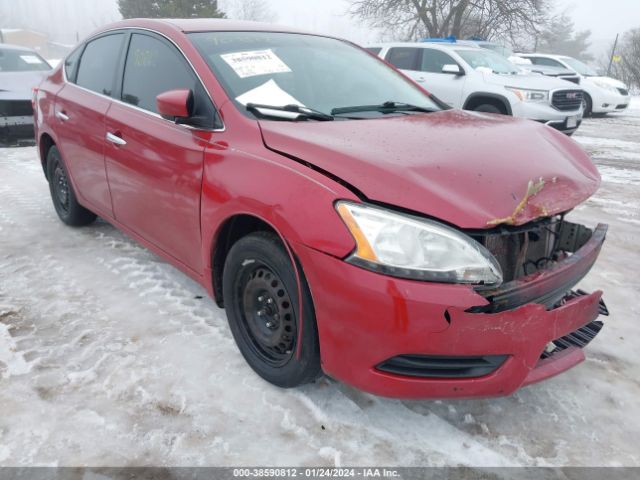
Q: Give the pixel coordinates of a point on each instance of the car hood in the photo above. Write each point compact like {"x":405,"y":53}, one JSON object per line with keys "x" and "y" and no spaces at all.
{"x":607,"y":80}
{"x":469,"y":169}
{"x":528,"y":80}
{"x":18,"y":85}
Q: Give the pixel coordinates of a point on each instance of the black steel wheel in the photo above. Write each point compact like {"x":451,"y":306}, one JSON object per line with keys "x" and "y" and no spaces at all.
{"x":62,"y":194}
{"x":261,"y":298}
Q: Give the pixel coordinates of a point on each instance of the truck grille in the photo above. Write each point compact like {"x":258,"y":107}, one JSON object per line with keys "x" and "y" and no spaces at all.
{"x":15,"y":108}
{"x":566,"y":100}
{"x":623,"y":91}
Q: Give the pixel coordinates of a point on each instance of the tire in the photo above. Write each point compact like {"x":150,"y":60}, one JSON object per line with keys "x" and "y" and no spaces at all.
{"x":260,"y":295}
{"x":62,"y":194}
{"x":488,"y":108}
{"x":588,"y":106}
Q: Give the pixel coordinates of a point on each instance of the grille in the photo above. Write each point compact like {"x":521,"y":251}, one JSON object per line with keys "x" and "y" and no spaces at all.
{"x":623,"y":91}
{"x":425,"y":366}
{"x":523,"y":250}
{"x":566,"y":100}
{"x":15,"y":108}
{"x":582,"y":336}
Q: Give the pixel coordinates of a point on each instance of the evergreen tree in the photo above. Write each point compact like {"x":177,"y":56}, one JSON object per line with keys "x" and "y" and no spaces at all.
{"x":169,"y":9}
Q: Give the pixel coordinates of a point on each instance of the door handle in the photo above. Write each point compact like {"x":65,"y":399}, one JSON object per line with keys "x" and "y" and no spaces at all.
{"x":115,"y":139}
{"x":62,"y":116}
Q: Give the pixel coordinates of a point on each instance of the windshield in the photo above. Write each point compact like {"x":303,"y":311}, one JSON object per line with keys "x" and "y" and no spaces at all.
{"x":580,"y":67}
{"x":320,"y":73}
{"x":487,"y":59}
{"x":21,"y":61}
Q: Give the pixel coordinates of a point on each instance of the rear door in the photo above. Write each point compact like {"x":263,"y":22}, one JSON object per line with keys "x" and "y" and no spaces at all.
{"x":155,"y":166}
{"x":406,"y":59}
{"x":80,"y":111}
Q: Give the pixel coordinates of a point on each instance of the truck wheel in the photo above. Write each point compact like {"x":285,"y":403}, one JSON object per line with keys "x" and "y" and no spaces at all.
{"x":488,"y":108}
{"x":260,"y":294}
{"x":588,"y":105}
{"x":62,"y":194}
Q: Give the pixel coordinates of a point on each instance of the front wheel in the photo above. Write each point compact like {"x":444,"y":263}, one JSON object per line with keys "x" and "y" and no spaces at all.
{"x":587,"y":103}
{"x":62,"y":194}
{"x":260,"y":292}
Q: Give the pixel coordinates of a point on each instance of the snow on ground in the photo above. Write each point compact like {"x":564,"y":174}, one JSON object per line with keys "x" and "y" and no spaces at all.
{"x":110,"y":357}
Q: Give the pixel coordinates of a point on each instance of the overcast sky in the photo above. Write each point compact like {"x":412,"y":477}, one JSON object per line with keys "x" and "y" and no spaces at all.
{"x":63,"y":18}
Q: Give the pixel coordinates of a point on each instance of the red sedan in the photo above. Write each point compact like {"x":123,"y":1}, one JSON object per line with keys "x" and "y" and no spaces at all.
{"x":346,"y":219}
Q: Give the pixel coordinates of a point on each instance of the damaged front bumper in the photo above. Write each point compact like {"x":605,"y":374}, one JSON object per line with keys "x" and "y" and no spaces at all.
{"x":408,"y":339}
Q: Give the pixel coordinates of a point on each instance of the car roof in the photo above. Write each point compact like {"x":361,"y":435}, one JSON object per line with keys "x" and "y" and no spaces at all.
{"x":19,"y":48}
{"x":550,"y":55}
{"x":437,"y":45}
{"x":190,"y":25}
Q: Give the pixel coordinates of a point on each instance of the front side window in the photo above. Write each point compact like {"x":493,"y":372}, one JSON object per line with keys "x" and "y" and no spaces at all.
{"x":21,"y":61}
{"x":481,"y":58}
{"x":320,"y":73}
{"x":152,"y":68}
{"x":434,"y":60}
{"x":99,"y":63}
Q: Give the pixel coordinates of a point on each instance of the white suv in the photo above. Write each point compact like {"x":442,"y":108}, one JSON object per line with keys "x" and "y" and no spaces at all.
{"x":474,"y":78}
{"x":602,"y":94}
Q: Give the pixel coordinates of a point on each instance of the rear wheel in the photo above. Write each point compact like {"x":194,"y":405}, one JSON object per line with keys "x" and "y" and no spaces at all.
{"x":62,"y":194}
{"x":261,"y":298}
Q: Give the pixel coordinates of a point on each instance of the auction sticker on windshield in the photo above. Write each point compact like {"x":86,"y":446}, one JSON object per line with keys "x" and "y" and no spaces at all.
{"x":254,"y":63}
{"x":31,"y":59}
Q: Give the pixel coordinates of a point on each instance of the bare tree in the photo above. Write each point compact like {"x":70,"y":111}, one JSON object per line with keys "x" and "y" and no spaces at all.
{"x":627,"y":65}
{"x":253,"y":10}
{"x":412,"y":19}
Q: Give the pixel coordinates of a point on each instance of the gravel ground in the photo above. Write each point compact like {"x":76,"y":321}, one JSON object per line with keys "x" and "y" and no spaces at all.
{"x":110,"y":357}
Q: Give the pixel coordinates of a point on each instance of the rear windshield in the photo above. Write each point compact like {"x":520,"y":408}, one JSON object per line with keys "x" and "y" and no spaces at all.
{"x":317,"y":72}
{"x":21,"y":61}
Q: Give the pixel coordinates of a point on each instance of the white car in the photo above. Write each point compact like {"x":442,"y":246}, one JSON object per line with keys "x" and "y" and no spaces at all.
{"x":473,"y":78}
{"x":602,"y":94}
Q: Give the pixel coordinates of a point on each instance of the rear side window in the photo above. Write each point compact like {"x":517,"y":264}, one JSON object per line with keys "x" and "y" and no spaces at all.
{"x":374,"y":50}
{"x":99,"y":63}
{"x":434,"y":60}
{"x":404,"y":58}
{"x":153,"y":67}
{"x":71,"y":65}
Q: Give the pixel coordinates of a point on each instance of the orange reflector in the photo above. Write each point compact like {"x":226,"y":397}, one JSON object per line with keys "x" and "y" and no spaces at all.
{"x":364,"y":249}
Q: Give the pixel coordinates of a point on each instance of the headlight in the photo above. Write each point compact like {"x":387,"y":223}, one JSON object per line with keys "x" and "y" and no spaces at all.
{"x":605,"y":85}
{"x":410,"y":247}
{"x":525,"y":95}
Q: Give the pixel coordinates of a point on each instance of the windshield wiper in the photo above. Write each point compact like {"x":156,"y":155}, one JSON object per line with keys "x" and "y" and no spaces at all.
{"x":289,"y":112}
{"x":386,"y":107}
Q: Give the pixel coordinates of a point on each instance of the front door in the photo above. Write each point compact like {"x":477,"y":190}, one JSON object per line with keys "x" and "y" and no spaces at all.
{"x":155,"y":166}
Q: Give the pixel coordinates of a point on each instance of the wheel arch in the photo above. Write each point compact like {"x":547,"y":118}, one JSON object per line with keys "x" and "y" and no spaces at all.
{"x":476,"y":99}
{"x":45,"y":142}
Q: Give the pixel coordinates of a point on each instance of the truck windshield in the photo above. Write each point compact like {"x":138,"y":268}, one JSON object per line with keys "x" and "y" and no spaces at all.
{"x":580,"y":67}
{"x":481,"y":58}
{"x":21,"y":61}
{"x":323,"y":74}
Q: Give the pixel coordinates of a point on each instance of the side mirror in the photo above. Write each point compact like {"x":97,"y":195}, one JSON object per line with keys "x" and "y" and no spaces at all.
{"x":452,"y":69}
{"x":177,"y":104}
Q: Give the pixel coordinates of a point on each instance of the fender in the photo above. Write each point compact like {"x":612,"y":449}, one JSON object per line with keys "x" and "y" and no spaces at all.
{"x":493,"y":96}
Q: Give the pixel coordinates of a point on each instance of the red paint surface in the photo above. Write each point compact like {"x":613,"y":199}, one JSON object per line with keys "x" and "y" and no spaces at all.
{"x":173,"y":189}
